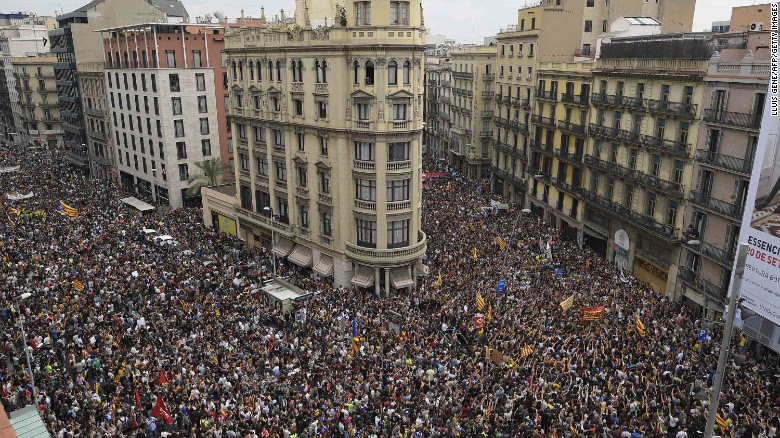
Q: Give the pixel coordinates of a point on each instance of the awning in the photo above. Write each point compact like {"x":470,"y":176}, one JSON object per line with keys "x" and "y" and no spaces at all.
{"x":400,"y":277}
{"x":283,"y":247}
{"x":324,"y":266}
{"x":422,"y":268}
{"x":364,"y":276}
{"x":301,"y":256}
{"x":137,"y":204}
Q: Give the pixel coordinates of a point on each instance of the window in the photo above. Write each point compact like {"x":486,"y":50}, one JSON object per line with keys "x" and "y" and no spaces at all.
{"x":610,"y":188}
{"x":176,"y":105}
{"x":170,"y":59}
{"x":398,"y":190}
{"x":322,"y":109}
{"x":399,"y":111}
{"x":369,"y":73}
{"x":321,"y":71}
{"x":263,"y":200}
{"x":671,"y":215}
{"x":392,"y":73}
{"x":363,"y":13}
{"x":588,"y":26}
{"x":246,"y":197}
{"x":262,"y":166}
{"x":398,"y":233}
{"x":632,"y":156}
{"x":302,"y":179}
{"x":275,"y":104}
{"x":257,"y":102}
{"x":628,"y":196}
{"x":684,"y":126}
{"x":202,"y":105}
{"x":298,"y":107}
{"x":162,"y":152}
{"x":154,"y":83}
{"x":589,"y":3}
{"x":326,"y":221}
{"x":677,"y":173}
{"x":241,"y":131}
{"x":281,"y":171}
{"x":323,"y":145}
{"x":399,"y":13}
{"x":660,"y":128}
{"x":205,"y":147}
{"x":365,"y":189}
{"x":366,"y":232}
{"x":324,"y":182}
{"x":303,"y":217}
{"x":655,"y":169}
{"x":278,"y":138}
{"x":533,"y":22}
{"x":665,"y":90}
{"x":244,"y":162}
{"x":356,"y":70}
{"x":300,"y":136}
{"x":196,"y":61}
{"x":184,"y":172}
{"x":297,"y":70}
{"x":259,"y":134}
{"x":156,"y":106}
{"x":362,"y":110}
{"x":613,"y":153}
{"x":174,"y":80}
{"x":604,"y":26}
{"x":586,"y":49}
{"x":178,"y":128}
{"x":398,"y":151}
{"x":279,"y":71}
{"x":239,"y":99}
{"x":282,"y":208}
{"x":270,"y":71}
{"x":204,"y":126}
{"x":364,"y":151}
{"x":181,"y":150}
{"x":407,"y":73}
{"x":651,"y":200}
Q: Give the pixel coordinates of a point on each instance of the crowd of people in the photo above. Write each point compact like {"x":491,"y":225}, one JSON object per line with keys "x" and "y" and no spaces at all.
{"x":132,"y":339}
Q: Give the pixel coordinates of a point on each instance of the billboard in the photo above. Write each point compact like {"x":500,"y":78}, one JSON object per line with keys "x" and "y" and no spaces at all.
{"x":761,"y":231}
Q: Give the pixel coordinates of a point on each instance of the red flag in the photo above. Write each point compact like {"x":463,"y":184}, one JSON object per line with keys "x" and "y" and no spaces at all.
{"x":137,"y":398}
{"x":162,"y":380}
{"x":161,"y":412}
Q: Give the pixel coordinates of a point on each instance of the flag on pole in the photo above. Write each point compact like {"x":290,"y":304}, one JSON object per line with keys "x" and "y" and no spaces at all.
{"x":474,"y":253}
{"x":501,"y":243}
{"x":161,"y":379}
{"x":67,"y":210}
{"x":137,"y":398}
{"x":355,"y":344}
{"x":567,"y":303}
{"x":640,"y":327}
{"x":161,"y":412}
{"x":526,"y":351}
{"x":480,"y":302}
{"x":78,"y":285}
{"x":722,"y":422}
{"x":438,"y":282}
{"x":593,"y":313}
{"x":489,"y":316}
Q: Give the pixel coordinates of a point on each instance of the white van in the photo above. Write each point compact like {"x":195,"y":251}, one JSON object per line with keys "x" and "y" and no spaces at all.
{"x":164,"y":240}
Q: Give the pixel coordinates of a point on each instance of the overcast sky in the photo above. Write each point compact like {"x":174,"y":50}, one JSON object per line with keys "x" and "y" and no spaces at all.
{"x":464,"y":20}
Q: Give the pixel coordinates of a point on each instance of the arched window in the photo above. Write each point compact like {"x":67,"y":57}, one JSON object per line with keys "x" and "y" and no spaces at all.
{"x":259,"y":71}
{"x":392,"y":73}
{"x":356,"y":67}
{"x":317,"y":71}
{"x":407,"y":73}
{"x":233,"y":67}
{"x":270,"y":70}
{"x":294,"y":72}
{"x":240,"y":70}
{"x":279,"y":71}
{"x":369,"y":73}
{"x":251,"y":70}
{"x":324,"y":72}
{"x":300,"y":71}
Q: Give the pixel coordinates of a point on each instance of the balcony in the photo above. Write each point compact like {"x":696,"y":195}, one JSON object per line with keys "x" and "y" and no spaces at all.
{"x":380,"y":257}
{"x":498,"y":98}
{"x":576,"y":129}
{"x":401,"y":125}
{"x":397,"y":206}
{"x":680,"y":109}
{"x":725,"y":162}
{"x":446,"y":84}
{"x":565,"y":186}
{"x":568,"y":156}
{"x":546,"y":148}
{"x":511,"y":150}
{"x":362,"y":125}
{"x":516,"y":180}
{"x":444,"y":99}
{"x":369,"y":206}
{"x":617,"y":100}
{"x":444,"y":116}
{"x":487,"y":95}
{"x":544,"y":121}
{"x":730,"y":119}
{"x":486,"y":133}
{"x":77,"y":156}
{"x":264,"y":220}
{"x":666,"y":146}
{"x":364,"y":166}
{"x":723,"y":208}
{"x":399,"y":166}
{"x":575,"y":99}
{"x":487,"y":77}
{"x":501,"y":122}
{"x":693,"y":280}
{"x":547,"y":95}
{"x":723,"y":257}
{"x":462,"y":75}
{"x":614,"y":169}
{"x":517,"y":126}
{"x":487,"y":114}
{"x":96,"y":112}
{"x":666,"y":232}
{"x":97,"y":135}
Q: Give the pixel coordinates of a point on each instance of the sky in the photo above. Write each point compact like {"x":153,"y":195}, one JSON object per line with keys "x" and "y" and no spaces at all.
{"x":463,"y":20}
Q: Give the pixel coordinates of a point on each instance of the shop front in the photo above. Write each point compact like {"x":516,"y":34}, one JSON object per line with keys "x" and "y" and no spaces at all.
{"x":646,"y":271}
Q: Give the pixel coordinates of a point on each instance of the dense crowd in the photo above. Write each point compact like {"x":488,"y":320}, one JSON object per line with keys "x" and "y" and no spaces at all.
{"x":154,"y":323}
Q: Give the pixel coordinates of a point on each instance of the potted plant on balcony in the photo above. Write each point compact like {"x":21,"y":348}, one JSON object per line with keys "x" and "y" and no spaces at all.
{"x":214,"y":171}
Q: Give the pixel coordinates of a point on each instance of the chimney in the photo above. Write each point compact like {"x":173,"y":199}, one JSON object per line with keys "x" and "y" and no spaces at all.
{"x":262,"y":15}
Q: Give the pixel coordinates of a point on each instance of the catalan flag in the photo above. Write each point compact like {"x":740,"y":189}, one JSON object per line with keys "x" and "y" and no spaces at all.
{"x":567,"y":303}
{"x":78,"y":285}
{"x":474,"y":253}
{"x":526,"y":351}
{"x":480,"y":302}
{"x":501,"y":243}
{"x":67,"y":210}
{"x":355,"y":345}
{"x":723,"y":423}
{"x":438,"y":282}
{"x":640,"y":327}
{"x":489,"y":316}
{"x":593,"y":313}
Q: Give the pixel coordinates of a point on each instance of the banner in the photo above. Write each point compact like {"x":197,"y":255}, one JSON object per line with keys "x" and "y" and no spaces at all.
{"x":18,"y":196}
{"x":227,"y":225}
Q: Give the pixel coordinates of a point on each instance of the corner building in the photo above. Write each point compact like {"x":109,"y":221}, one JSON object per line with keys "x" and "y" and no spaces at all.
{"x":327,"y":126}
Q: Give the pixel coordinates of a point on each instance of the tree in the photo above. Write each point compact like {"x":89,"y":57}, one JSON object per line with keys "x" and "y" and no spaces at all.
{"x":213,"y":172}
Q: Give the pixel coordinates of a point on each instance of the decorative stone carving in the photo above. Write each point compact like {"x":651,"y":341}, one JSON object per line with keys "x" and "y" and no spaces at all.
{"x":321,"y":88}
{"x":320,"y":33}
{"x":416,"y":61}
{"x":381,"y":111}
{"x":295,"y":33}
{"x":349,"y":109}
{"x":380,"y":62}
{"x":297,"y":87}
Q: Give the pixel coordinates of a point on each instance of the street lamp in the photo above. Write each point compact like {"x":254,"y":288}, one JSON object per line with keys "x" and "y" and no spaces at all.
{"x":273,"y":239}
{"x":16,"y":302}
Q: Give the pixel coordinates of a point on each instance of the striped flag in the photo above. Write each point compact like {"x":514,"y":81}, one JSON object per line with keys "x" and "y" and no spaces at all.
{"x":640,"y":327}
{"x":722,"y":422}
{"x":474,"y":253}
{"x":438,"y":282}
{"x":501,"y":243}
{"x":480,"y":302}
{"x":355,"y":345}
{"x":489,"y":316}
{"x":593,"y":313}
{"x":526,"y":351}
{"x":78,"y":285}
{"x":67,"y":210}
{"x":567,"y":303}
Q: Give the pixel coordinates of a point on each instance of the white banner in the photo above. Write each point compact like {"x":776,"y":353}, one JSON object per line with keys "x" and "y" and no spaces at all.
{"x":18,"y":196}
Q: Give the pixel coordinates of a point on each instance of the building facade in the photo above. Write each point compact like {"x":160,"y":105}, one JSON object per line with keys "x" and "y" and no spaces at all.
{"x":75,"y":43}
{"x":471,"y":133}
{"x":556,"y":168}
{"x":40,"y":113}
{"x":164,"y":86}
{"x":438,"y":99}
{"x":327,"y":125}
{"x":735,"y":90}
